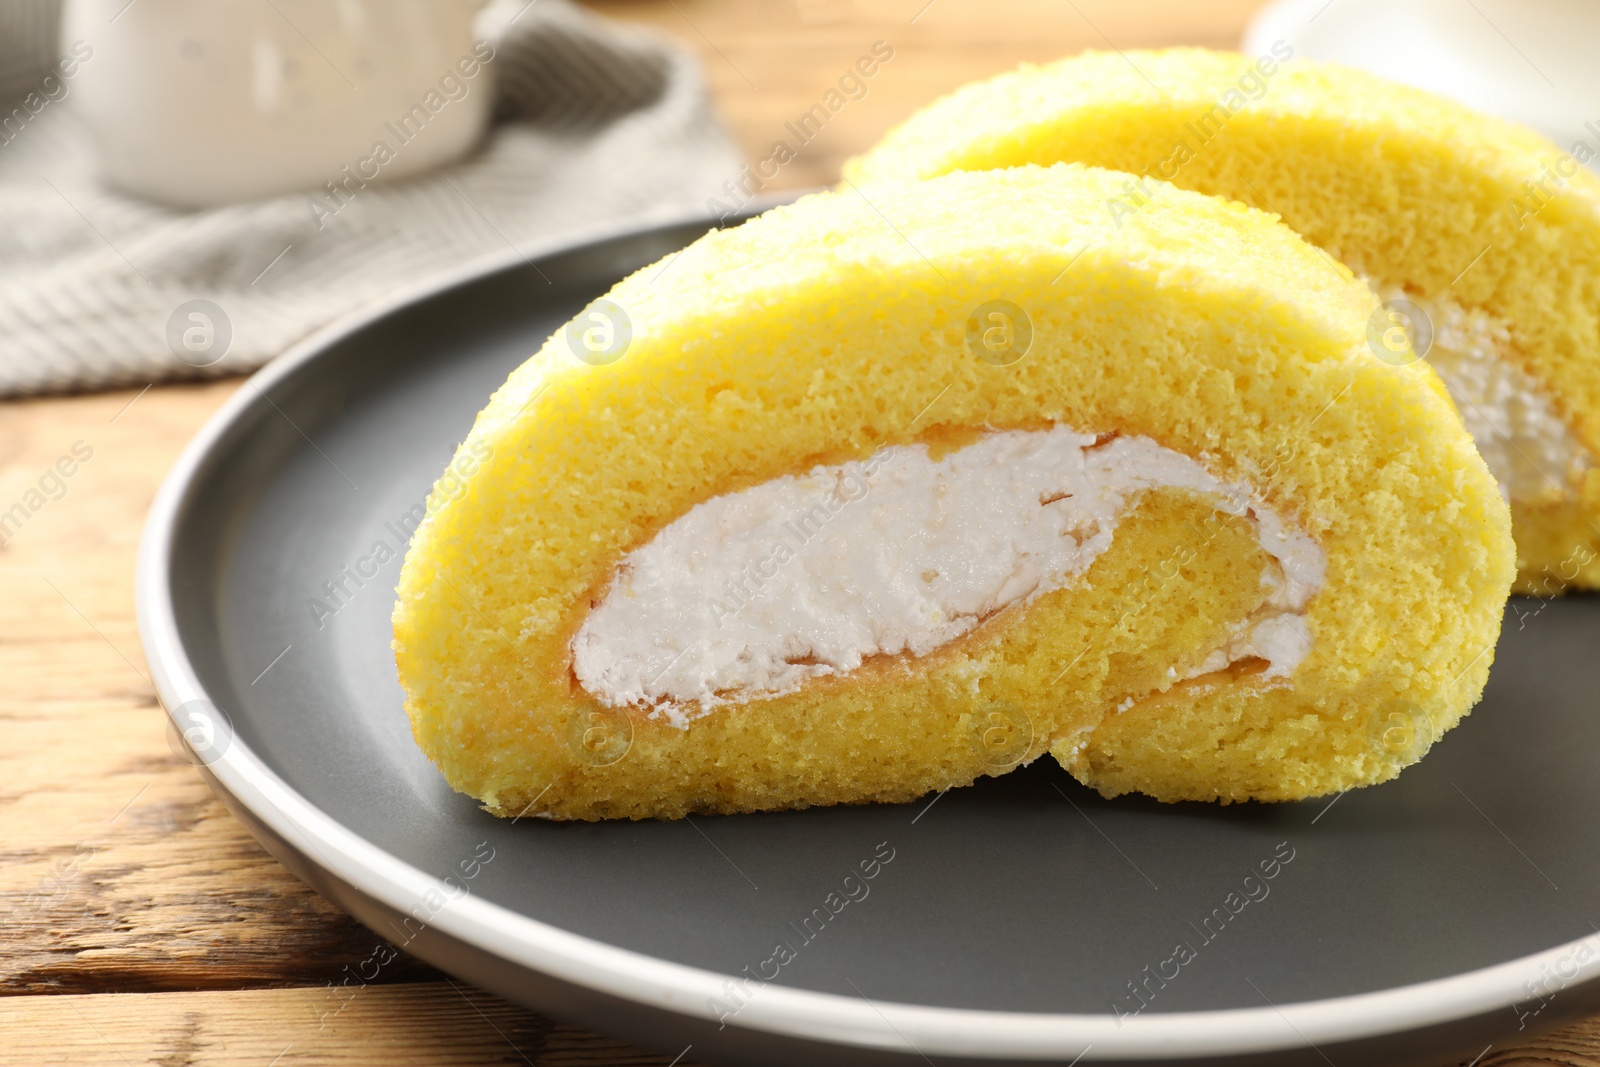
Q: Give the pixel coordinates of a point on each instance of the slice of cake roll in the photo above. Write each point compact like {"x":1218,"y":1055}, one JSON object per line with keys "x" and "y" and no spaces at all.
{"x":865,"y":499}
{"x":1482,"y":238}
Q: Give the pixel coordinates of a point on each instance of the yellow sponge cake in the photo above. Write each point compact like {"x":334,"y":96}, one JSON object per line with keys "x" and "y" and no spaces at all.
{"x":869,"y":498}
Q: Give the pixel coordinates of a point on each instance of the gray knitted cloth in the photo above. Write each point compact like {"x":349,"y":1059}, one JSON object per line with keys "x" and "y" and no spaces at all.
{"x":595,"y":124}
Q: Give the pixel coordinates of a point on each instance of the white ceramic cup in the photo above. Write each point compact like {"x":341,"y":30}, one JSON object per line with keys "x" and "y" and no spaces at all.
{"x":198,"y":103}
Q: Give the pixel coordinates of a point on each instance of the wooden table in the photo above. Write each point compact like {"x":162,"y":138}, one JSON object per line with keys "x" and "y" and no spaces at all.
{"x":142,"y":924}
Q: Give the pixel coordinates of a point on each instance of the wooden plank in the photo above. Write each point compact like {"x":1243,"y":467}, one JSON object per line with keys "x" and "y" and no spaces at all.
{"x":433,"y":1023}
{"x":443,"y":1022}
{"x":121,"y":876}
{"x":118,"y":869}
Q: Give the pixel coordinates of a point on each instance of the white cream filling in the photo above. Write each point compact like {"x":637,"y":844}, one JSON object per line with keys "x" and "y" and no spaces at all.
{"x":754,"y":593}
{"x":1530,"y":448}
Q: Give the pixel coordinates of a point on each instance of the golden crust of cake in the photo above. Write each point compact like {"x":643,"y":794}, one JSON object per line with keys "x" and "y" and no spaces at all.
{"x":1414,"y":190}
{"x":832,"y":327}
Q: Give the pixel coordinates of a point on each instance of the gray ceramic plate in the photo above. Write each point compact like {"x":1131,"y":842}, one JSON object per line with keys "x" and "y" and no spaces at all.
{"x":1023,"y":919}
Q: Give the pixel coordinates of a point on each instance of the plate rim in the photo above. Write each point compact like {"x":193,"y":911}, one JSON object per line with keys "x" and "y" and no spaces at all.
{"x":684,"y":990}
